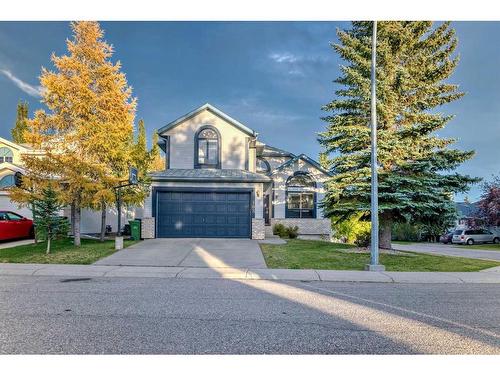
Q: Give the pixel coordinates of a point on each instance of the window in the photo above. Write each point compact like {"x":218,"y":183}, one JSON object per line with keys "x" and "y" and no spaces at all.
{"x":262,"y":166}
{"x":6,"y":155}
{"x":7,"y":181}
{"x":301,"y":196}
{"x":13,"y":216}
{"x":207,"y":148}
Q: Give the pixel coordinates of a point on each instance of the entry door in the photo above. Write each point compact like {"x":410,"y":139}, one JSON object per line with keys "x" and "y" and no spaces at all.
{"x":218,"y":214}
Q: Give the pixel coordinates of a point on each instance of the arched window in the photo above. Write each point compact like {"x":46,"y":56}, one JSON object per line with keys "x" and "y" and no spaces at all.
{"x":301,"y":196}
{"x":6,"y":181}
{"x":207,"y":148}
{"x":6,"y":155}
{"x":262,"y":166}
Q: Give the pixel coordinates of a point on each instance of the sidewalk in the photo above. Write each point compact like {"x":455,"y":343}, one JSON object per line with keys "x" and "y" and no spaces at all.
{"x":491,"y":275}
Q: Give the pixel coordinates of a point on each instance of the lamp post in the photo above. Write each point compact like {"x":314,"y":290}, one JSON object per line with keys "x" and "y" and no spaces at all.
{"x":374,"y":264}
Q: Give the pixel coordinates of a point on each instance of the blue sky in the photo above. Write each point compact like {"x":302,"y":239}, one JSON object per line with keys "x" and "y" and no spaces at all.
{"x":272,"y":76}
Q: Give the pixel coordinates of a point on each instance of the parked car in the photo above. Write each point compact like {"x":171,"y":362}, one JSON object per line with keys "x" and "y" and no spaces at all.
{"x":446,"y":238}
{"x":13,"y":226}
{"x":472,"y":236}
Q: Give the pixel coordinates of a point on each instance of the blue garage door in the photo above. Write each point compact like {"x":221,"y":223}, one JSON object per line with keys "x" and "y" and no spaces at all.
{"x":203,"y":214}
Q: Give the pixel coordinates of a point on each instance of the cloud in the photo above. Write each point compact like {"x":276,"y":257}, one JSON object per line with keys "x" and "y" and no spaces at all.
{"x":35,"y":91}
{"x":296,"y":64}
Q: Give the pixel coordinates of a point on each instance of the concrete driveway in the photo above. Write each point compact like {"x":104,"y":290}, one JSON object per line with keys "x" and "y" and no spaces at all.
{"x":449,"y":250}
{"x":190,"y":252}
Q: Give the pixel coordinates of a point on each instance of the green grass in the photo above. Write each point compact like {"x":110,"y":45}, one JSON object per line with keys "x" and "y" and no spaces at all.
{"x":331,"y":256}
{"x":62,"y":252}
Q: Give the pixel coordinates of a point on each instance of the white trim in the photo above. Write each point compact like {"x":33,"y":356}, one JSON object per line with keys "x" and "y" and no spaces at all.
{"x":216,"y":111}
{"x":14,"y":145}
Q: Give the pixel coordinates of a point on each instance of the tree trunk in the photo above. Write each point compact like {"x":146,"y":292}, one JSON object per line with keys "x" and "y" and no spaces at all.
{"x":48,"y":243}
{"x":73,"y":218}
{"x":77,"y":240}
{"x":103,"y":220}
{"x":385,"y":231}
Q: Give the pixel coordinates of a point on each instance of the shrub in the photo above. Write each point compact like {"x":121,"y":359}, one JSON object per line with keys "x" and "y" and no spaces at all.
{"x":280,"y":230}
{"x":285,"y":232}
{"x":363,"y":239}
{"x":406,"y":232}
{"x":350,"y":229}
{"x":292,"y":232}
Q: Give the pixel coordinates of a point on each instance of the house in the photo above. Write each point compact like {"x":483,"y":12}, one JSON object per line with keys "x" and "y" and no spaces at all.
{"x":11,"y":162}
{"x":221,"y":181}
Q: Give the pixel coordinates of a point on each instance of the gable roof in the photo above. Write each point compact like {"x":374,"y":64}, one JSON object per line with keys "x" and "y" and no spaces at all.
{"x":305,"y":158}
{"x":274,"y":151}
{"x":215,"y":111}
{"x":17,"y":146}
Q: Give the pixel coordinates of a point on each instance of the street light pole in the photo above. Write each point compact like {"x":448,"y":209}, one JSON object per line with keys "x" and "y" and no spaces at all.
{"x":374,"y":264}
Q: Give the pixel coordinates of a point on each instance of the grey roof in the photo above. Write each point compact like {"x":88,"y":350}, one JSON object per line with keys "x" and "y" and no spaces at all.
{"x":214,"y":175}
{"x":305,"y":158}
{"x":214,"y":110}
{"x":274,"y":151}
{"x":467,"y":209}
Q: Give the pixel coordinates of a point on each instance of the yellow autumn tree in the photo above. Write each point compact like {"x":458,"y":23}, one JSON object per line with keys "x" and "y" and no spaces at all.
{"x":87,"y":132}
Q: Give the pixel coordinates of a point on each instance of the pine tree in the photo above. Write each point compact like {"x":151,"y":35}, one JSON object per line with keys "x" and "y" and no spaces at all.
{"x":414,"y":62}
{"x":21,"y":126}
{"x":157,"y":161}
{"x":87,"y":134}
{"x":48,"y":223}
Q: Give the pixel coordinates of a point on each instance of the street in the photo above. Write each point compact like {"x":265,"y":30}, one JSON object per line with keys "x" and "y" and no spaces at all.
{"x":187,"y":316}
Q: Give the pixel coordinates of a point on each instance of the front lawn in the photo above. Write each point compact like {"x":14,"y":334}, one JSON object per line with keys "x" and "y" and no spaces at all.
{"x":307,"y":254}
{"x":62,"y":252}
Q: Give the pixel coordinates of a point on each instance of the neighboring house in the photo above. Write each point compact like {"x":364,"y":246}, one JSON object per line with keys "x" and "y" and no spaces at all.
{"x":220,"y":181}
{"x":11,"y":162}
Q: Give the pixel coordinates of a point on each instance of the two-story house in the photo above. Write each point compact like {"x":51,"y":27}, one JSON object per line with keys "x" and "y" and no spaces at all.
{"x":221,"y":181}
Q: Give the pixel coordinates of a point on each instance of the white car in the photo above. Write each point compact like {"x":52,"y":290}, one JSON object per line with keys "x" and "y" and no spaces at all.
{"x":472,"y":236}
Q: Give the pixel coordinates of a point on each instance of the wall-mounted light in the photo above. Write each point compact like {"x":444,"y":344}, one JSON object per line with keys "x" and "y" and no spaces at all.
{"x":258,"y":193}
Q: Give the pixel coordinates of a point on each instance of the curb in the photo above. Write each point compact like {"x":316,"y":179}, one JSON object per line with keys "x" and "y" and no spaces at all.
{"x":490,"y":276}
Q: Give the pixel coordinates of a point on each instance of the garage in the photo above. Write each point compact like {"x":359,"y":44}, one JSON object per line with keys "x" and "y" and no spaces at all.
{"x":217,"y":214}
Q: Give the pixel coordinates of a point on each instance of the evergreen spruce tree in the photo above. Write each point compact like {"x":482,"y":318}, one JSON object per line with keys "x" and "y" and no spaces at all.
{"x":21,"y":126}
{"x":416,"y":179}
{"x":48,"y":223}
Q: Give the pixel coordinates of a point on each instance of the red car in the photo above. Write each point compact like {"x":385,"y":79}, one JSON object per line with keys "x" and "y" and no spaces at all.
{"x":14,"y":226}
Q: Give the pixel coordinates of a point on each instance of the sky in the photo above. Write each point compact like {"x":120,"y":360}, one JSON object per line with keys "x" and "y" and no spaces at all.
{"x":272,"y":76}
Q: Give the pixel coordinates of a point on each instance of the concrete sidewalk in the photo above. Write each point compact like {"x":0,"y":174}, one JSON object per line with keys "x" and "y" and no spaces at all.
{"x":491,"y":275}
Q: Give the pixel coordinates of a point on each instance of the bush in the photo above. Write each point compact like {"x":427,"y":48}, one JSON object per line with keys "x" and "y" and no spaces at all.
{"x":292,"y":232}
{"x":280,"y":230}
{"x":406,"y":232}
{"x":349,"y":230}
{"x":363,"y":239}
{"x":285,"y":232}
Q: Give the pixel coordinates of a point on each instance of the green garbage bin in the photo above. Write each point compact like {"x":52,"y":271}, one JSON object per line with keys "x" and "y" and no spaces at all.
{"x":135,"y":229}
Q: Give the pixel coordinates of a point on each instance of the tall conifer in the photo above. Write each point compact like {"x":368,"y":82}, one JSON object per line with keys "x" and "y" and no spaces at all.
{"x":416,"y":179}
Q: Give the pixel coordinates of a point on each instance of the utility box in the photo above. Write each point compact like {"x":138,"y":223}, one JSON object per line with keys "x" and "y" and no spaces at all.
{"x":135,"y":229}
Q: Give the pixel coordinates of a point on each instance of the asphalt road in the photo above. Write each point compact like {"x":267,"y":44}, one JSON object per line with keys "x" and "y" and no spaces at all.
{"x":186,"y":316}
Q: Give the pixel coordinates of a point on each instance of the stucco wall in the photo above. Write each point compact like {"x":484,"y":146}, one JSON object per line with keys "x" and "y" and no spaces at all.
{"x":233,"y":143}
{"x":280,"y":179}
{"x":7,"y":205}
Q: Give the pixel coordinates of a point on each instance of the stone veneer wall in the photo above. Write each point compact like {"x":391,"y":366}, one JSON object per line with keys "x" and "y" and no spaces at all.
{"x":258,"y":232}
{"x":308,"y":226}
{"x":147,"y":227}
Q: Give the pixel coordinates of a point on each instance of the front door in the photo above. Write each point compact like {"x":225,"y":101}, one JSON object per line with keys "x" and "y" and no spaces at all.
{"x":267,"y":210}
